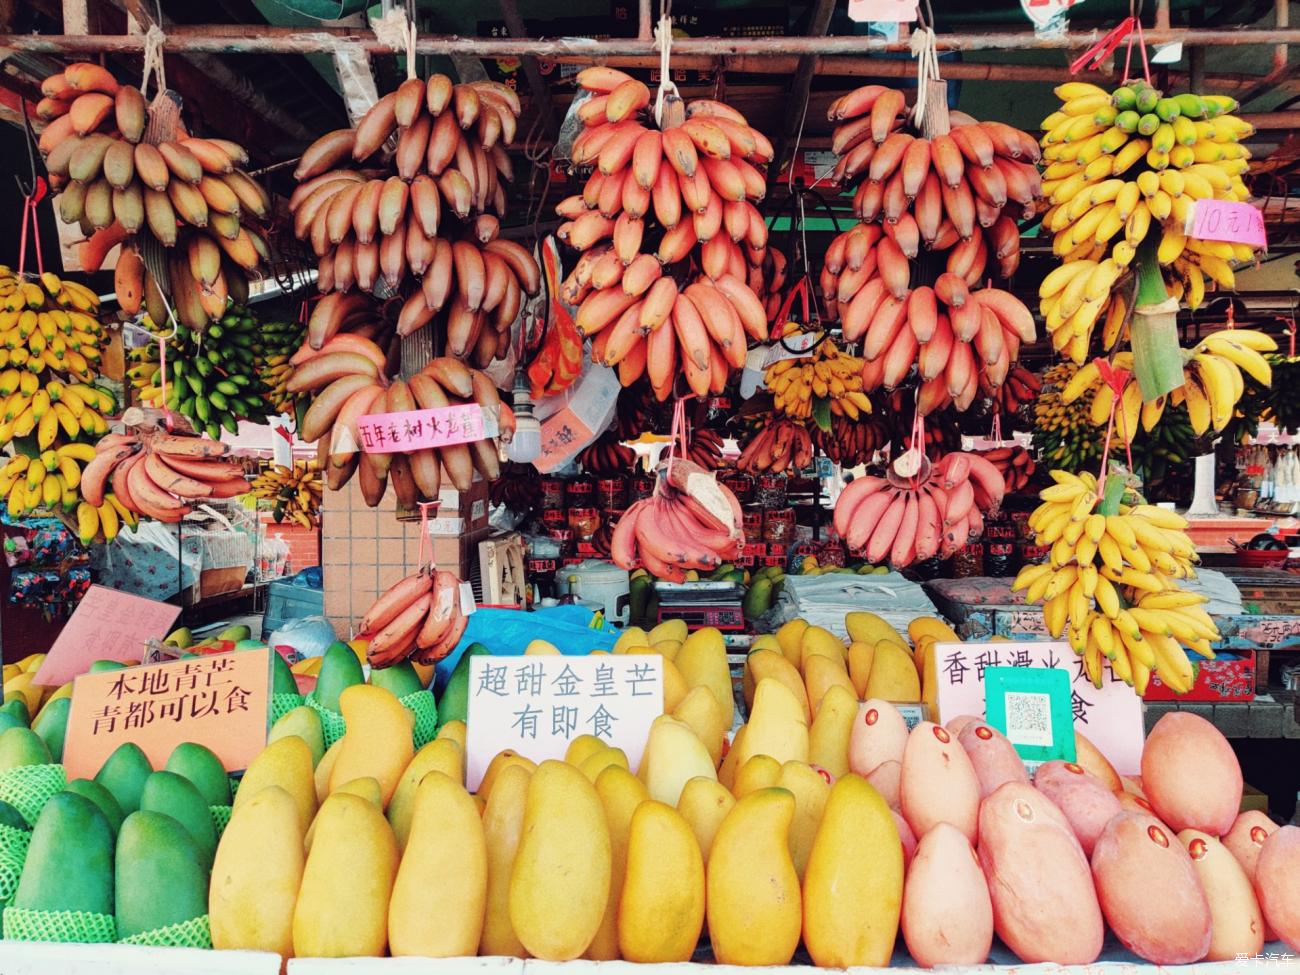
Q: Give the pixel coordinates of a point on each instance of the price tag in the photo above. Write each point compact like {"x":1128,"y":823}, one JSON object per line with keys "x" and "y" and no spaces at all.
{"x":106,"y":625}
{"x":888,"y":11}
{"x":390,"y":433}
{"x":1235,"y":223}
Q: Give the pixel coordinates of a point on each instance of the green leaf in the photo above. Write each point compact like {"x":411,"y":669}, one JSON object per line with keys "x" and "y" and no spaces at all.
{"x":821,"y":413}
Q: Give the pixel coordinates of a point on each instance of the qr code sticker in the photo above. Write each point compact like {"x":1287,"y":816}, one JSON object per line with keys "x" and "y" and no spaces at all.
{"x":1029,"y":718}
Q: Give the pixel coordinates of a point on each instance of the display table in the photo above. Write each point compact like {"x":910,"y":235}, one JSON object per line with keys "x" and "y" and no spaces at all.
{"x":1214,"y":533}
{"x":27,"y":958}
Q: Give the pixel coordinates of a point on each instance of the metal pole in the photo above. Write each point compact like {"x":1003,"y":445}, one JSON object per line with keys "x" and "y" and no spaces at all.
{"x":645,"y":21}
{"x":225,"y":39}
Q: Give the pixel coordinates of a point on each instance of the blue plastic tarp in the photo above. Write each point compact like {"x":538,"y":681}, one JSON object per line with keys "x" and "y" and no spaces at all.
{"x":505,"y":632}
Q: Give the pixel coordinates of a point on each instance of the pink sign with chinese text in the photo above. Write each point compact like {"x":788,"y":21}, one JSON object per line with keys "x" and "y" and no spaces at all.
{"x":221,"y":701}
{"x":1110,"y":716}
{"x":391,"y":433}
{"x":1235,"y":223}
{"x":106,"y":625}
{"x":563,"y":435}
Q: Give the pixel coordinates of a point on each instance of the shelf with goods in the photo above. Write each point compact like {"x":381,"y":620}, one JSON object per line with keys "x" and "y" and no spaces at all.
{"x":802,"y":574}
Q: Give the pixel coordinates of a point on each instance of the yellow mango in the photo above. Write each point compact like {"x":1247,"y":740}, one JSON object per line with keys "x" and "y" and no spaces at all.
{"x":853,"y":887}
{"x":668,"y":649}
{"x":378,"y":740}
{"x":700,"y":710}
{"x":790,"y":639}
{"x":821,"y":642}
{"x":753,"y":902}
{"x":440,"y":755}
{"x":931,"y":626}
{"x":673,"y":756}
{"x":760,"y":772}
{"x":893,"y":674}
{"x":661,"y":910}
{"x":367,"y":788}
{"x":21,"y":686}
{"x":820,"y":675}
{"x":541,"y":648}
{"x":770,"y":663}
{"x":866,"y":627}
{"x":560,"y":884}
{"x":620,"y":793}
{"x":603,"y":759}
{"x":499,"y":761}
{"x":860,"y":658}
{"x":632,"y":636}
{"x":668,"y":630}
{"x":810,"y":792}
{"x":446,"y":848}
{"x":675,"y":686}
{"x":285,"y":763}
{"x":321,"y":776}
{"x":342,"y":908}
{"x":828,"y":738}
{"x":703,"y":663}
{"x":778,"y":725}
{"x":929,"y":681}
{"x":731,"y":761}
{"x":456,"y":731}
{"x":503,"y":825}
{"x":704,"y":803}
{"x":424,"y":671}
{"x":256,"y":875}
{"x":765,"y":641}
{"x":583,"y":747}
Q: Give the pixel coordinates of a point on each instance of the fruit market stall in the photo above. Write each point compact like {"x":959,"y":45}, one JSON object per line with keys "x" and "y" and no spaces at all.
{"x":732,"y":484}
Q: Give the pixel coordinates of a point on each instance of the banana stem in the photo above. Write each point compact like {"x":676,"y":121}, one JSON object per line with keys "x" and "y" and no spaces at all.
{"x":1111,"y":493}
{"x":1157,"y":357}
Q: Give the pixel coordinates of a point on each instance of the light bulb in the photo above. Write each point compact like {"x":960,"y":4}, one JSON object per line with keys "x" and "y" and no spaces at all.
{"x":526,"y":445}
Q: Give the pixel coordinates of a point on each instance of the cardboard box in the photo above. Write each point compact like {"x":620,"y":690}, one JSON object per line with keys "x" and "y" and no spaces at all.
{"x":458,"y":513}
{"x":1230,"y":677}
{"x":459,"y":554}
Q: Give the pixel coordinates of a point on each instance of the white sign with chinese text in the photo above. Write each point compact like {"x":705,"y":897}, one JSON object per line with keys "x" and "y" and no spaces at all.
{"x":1110,"y":717}
{"x":537,"y":705}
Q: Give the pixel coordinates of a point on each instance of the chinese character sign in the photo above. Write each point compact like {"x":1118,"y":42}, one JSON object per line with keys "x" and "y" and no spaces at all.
{"x":106,"y":625}
{"x":1110,"y":717}
{"x":390,"y":433}
{"x":221,"y":701}
{"x":537,"y":705}
{"x":1235,"y":223}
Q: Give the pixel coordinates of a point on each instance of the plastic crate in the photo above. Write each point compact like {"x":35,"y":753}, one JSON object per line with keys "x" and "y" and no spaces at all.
{"x":285,"y":602}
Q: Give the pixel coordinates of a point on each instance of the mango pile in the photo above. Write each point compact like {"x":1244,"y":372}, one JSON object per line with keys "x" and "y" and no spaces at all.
{"x":825,"y":821}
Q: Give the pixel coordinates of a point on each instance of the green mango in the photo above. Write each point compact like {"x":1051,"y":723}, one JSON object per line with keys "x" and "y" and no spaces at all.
{"x":282,"y":681}
{"x":178,"y":797}
{"x":305,"y":723}
{"x":160,"y":879}
{"x":11,"y":817}
{"x":22,"y":746}
{"x":101,"y":797}
{"x":103,"y":666}
{"x":124,"y":773}
{"x":250,"y":645}
{"x":52,"y":725}
{"x":454,"y":703}
{"x":9,"y":719}
{"x":16,"y":708}
{"x":758,"y":599}
{"x":69,"y":864}
{"x":400,"y":678}
{"x":202,"y":767}
{"x":235,"y":633}
{"x":338,"y":671}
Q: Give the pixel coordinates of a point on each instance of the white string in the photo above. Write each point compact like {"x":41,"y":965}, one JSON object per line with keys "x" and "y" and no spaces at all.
{"x":927,"y":68}
{"x":154,"y":39}
{"x":664,"y":41}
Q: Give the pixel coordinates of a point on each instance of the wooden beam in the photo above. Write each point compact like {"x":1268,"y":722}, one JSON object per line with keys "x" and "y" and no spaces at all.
{"x":76,"y":17}
{"x":818,"y":24}
{"x":532,"y":70}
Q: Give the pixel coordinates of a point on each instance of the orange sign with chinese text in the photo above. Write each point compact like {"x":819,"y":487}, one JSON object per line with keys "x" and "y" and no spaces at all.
{"x":220,"y":701}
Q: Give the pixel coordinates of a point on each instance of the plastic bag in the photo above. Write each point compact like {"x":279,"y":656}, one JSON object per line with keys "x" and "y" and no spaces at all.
{"x":309,"y":636}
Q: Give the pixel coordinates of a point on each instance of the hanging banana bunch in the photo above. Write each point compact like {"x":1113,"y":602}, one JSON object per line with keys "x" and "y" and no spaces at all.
{"x":295,"y":492}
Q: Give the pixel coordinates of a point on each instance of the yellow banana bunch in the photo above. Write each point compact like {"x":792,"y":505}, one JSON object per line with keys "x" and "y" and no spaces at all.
{"x":296,"y":491}
{"x":103,"y":523}
{"x":1110,"y":585}
{"x":50,"y":411}
{"x":1120,"y":166}
{"x":1212,"y":384}
{"x":829,"y":373}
